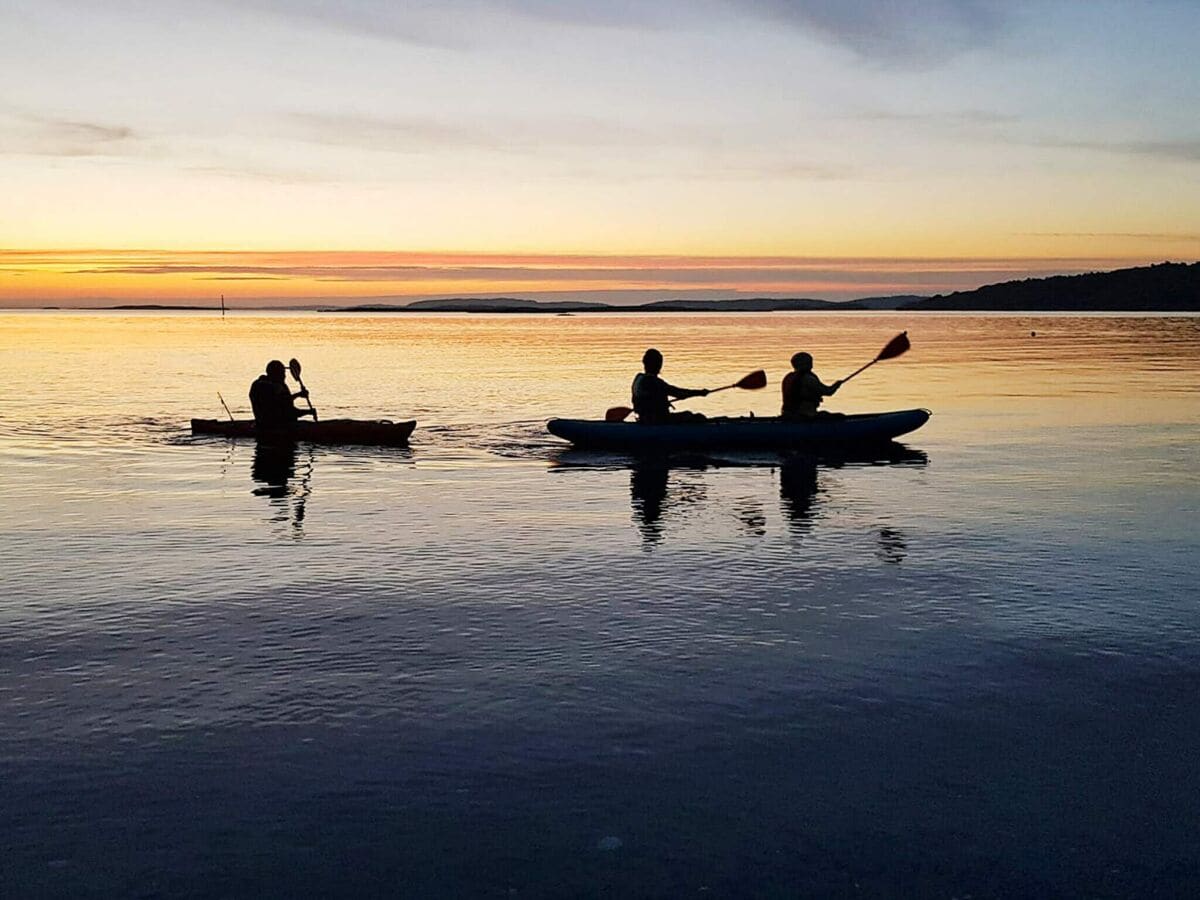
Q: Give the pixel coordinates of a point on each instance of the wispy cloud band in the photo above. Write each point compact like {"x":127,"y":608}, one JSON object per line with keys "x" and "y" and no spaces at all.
{"x":349,"y":275}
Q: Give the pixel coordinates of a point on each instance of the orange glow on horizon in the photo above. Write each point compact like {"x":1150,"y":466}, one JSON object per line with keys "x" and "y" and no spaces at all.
{"x":100,"y":277}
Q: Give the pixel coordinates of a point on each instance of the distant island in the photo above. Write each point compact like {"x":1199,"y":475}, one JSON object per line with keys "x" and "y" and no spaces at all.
{"x":520,"y":305}
{"x":1163,"y":287}
{"x":160,"y":306}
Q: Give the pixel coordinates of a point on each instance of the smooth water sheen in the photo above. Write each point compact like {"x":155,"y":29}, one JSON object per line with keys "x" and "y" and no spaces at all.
{"x":492,"y":666}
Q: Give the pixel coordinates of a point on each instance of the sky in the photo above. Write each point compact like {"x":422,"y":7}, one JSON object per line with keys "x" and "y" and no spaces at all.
{"x":314,"y":152}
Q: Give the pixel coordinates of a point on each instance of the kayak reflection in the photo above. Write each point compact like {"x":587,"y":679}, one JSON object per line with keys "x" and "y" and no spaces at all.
{"x":665,"y":486}
{"x":274,"y":467}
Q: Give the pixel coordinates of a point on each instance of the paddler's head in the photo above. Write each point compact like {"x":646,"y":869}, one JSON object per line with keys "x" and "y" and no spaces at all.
{"x":652,"y":361}
{"x":276,"y":371}
{"x":802,"y":362}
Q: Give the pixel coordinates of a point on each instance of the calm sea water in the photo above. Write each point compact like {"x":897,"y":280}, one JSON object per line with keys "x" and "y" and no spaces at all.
{"x":490,"y":666}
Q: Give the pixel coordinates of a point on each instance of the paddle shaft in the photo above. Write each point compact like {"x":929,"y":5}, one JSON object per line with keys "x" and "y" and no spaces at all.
{"x":307,"y":399}
{"x":863,"y":369}
{"x":710,"y":391}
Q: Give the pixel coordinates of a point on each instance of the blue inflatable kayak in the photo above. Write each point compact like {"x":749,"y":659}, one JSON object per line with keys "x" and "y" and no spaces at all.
{"x":760,"y":433}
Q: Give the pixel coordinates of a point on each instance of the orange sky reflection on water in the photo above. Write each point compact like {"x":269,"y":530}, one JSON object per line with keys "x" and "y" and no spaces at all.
{"x":982,"y":374}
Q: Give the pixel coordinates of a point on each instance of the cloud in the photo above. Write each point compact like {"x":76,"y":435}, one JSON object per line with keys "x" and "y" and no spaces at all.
{"x":609,"y":14}
{"x":37,"y":135}
{"x":456,"y":24}
{"x":495,"y":272}
{"x":952,"y":118}
{"x":395,"y":134}
{"x":1172,"y":150}
{"x":902,"y":33}
{"x":409,"y":23}
{"x":377,"y":276}
{"x":1129,"y":235}
{"x":680,"y":152}
{"x":263,"y":173}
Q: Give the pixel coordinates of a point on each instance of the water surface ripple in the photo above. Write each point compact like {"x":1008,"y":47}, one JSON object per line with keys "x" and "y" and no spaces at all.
{"x":965,"y":664}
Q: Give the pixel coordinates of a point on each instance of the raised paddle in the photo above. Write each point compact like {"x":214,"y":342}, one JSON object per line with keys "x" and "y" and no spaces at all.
{"x":897,"y":346}
{"x":752,"y":382}
{"x":294,"y":368}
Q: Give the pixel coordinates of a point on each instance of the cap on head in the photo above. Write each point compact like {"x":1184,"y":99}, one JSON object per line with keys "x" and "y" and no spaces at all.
{"x":275,"y":369}
{"x":802,"y":362}
{"x":652,"y":360}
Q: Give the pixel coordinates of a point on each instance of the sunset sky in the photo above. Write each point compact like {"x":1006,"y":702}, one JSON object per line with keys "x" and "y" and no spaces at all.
{"x":308,"y":151}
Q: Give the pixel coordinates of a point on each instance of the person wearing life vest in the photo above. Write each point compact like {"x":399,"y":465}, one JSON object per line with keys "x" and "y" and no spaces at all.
{"x":803,"y":391}
{"x":652,"y":396}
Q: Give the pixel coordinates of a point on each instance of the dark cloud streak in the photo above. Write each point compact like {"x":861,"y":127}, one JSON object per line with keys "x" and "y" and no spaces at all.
{"x":901,"y":33}
{"x":891,"y":33}
{"x":37,"y":135}
{"x":1173,"y":150}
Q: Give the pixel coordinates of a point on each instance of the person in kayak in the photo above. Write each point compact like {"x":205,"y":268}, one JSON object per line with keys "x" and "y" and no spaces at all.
{"x":271,"y":400}
{"x":652,"y":396}
{"x":803,"y":391}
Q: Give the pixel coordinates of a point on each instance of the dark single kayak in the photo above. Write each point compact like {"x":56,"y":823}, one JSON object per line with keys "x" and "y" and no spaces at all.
{"x":329,"y":431}
{"x":763,"y":433}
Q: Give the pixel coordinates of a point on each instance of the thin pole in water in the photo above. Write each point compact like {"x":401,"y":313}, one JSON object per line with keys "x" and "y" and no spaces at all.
{"x":222,"y":306}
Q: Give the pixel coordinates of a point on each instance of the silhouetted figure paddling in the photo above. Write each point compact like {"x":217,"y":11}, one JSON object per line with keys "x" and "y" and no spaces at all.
{"x":652,"y":396}
{"x":272,"y":401}
{"x":803,"y":391}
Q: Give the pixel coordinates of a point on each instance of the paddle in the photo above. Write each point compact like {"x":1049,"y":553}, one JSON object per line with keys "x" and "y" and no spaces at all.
{"x":294,"y":368}
{"x":752,"y":382}
{"x":897,"y":346}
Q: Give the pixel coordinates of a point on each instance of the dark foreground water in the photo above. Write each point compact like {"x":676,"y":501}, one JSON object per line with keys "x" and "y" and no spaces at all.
{"x":487,"y":666}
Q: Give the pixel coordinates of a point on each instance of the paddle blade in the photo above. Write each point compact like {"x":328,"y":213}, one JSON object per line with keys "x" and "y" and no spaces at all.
{"x":617,"y":414}
{"x":294,"y":368}
{"x":895,"y":347}
{"x":754,"y":381}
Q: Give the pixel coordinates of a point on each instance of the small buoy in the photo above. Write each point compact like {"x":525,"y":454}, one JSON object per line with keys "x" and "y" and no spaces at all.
{"x":1033,"y":334}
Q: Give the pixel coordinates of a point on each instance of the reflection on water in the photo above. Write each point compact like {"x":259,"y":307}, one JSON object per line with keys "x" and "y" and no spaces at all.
{"x":274,"y":467}
{"x":274,"y":464}
{"x":892,"y":546}
{"x":655,"y":496}
{"x":648,"y":493}
{"x":798,"y":486}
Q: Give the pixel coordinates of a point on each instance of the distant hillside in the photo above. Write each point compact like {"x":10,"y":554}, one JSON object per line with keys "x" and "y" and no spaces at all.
{"x":159,"y":306}
{"x":1165,"y":287}
{"x":740,"y":304}
{"x":898,"y":301}
{"x":500,"y":304}
{"x":520,"y":305}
